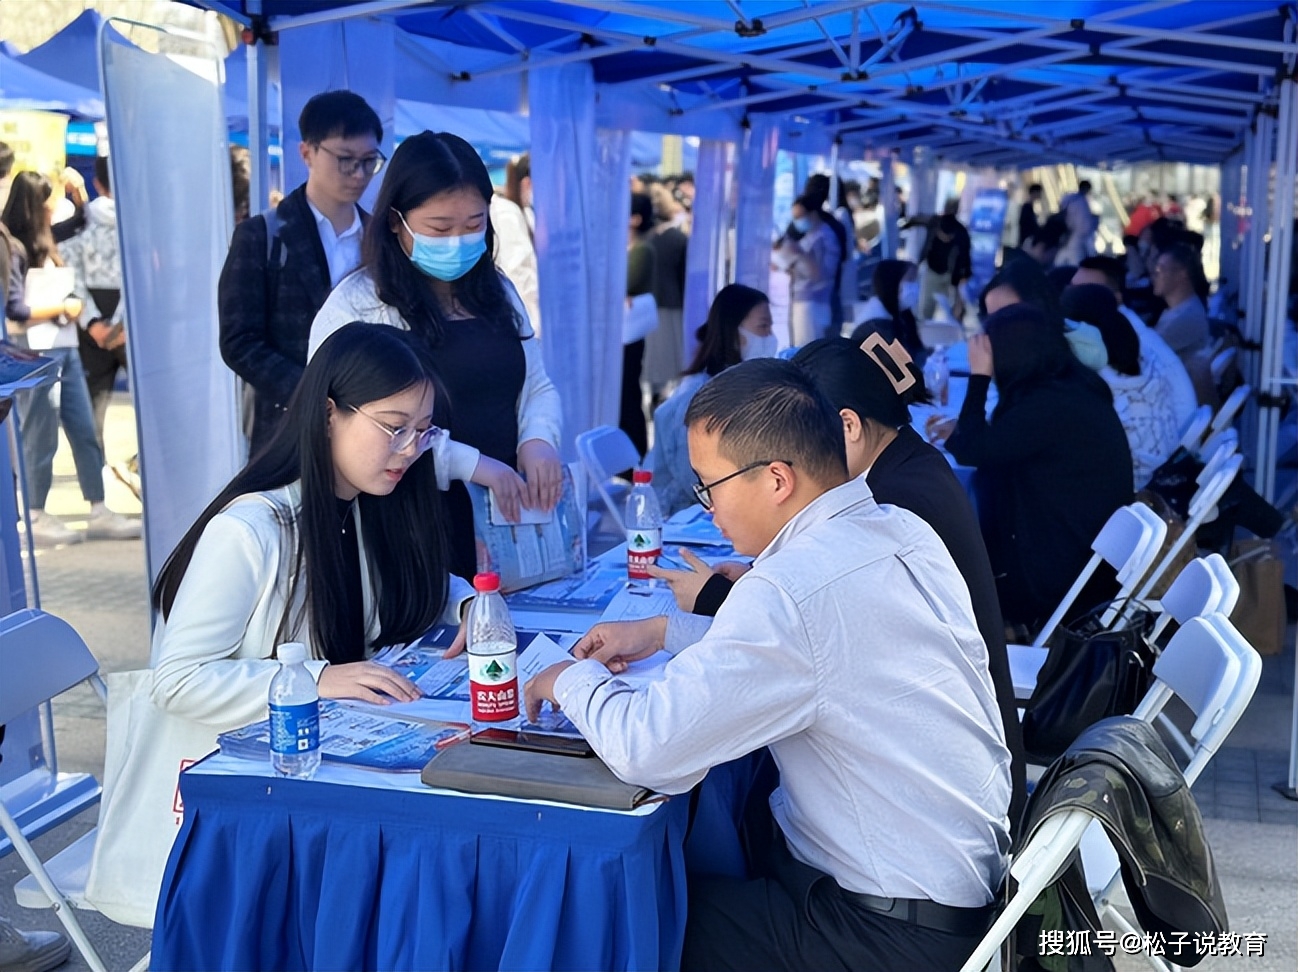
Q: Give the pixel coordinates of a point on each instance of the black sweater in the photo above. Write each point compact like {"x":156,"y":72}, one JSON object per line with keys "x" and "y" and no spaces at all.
{"x":1052,"y":468}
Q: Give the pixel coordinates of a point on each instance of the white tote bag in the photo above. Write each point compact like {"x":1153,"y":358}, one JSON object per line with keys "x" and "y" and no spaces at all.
{"x":639,"y":319}
{"x":140,"y":812}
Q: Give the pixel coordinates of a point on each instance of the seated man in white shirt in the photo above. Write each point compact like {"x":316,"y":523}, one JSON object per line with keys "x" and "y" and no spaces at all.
{"x":850,"y":650}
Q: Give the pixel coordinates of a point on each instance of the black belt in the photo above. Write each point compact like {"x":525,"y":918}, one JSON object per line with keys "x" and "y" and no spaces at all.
{"x":928,"y":914}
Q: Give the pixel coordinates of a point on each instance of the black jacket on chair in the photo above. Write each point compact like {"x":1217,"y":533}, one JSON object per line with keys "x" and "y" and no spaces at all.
{"x":267,"y":297}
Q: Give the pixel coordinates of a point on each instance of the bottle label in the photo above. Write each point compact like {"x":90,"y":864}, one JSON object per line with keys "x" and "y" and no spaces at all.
{"x":493,"y":686}
{"x":642,"y":550}
{"x":295,"y":729}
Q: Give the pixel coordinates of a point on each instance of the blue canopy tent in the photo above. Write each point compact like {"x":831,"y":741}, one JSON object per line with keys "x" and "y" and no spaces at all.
{"x":24,"y":88}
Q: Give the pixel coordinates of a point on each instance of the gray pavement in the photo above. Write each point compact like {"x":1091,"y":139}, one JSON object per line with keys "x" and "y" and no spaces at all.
{"x":99,"y":588}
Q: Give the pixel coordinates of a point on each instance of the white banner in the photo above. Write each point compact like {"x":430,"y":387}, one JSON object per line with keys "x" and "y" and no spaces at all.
{"x":581,"y":192}
{"x":707,"y":263}
{"x":171,"y":180}
{"x":755,"y":228}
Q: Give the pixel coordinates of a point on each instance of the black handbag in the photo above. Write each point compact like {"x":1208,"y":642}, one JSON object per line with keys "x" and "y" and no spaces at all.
{"x":1090,"y":673}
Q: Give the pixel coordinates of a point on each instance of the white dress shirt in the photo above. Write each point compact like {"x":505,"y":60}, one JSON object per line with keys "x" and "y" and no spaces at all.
{"x":342,"y":250}
{"x":850,"y":649}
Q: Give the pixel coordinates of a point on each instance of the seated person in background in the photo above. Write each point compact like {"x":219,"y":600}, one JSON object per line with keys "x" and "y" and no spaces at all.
{"x":891,"y":311}
{"x":1184,"y":325}
{"x":1156,"y":355}
{"x":1142,"y":398}
{"x":1019,"y":281}
{"x":738,"y":329}
{"x":894,"y":776}
{"x":332,"y":536}
{"x":1052,"y":463}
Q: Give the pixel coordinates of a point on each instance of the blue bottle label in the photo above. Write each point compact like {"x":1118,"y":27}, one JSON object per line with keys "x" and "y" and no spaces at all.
{"x":295,"y":728}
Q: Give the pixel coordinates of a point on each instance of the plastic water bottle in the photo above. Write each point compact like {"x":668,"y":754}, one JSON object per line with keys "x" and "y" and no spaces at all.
{"x":937,"y":376}
{"x":644,"y":526}
{"x":294,"y":716}
{"x":493,"y":654}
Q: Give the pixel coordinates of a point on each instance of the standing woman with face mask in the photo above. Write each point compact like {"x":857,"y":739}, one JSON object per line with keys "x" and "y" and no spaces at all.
{"x":891,"y":311}
{"x":427,"y":267}
{"x":738,"y":329}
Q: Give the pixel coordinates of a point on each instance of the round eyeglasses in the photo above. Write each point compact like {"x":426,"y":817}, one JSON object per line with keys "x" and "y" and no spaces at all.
{"x":399,"y":440}
{"x":351,"y":165}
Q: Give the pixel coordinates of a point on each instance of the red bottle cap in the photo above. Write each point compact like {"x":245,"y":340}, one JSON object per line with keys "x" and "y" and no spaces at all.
{"x":642,"y":476}
{"x":487,"y":582}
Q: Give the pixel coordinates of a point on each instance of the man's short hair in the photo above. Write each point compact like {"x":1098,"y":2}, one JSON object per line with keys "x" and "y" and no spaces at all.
{"x":341,"y":113}
{"x":1035,"y":188}
{"x":1184,"y":257}
{"x":1114,"y":270}
{"x":6,"y":160}
{"x":1084,"y":186}
{"x":768,"y":409}
{"x":102,"y":175}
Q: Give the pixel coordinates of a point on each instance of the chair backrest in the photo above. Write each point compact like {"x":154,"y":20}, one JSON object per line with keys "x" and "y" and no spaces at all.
{"x":1230,"y":407}
{"x":1217,"y":441}
{"x":606,"y":451}
{"x":1211,"y":668}
{"x":1200,"y":420}
{"x":1129,"y":541}
{"x":1221,"y":363}
{"x":40,"y":657}
{"x":1226,"y":578}
{"x":1195,"y":592}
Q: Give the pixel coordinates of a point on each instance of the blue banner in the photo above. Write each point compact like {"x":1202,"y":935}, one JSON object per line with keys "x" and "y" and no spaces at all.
{"x":986,"y":224}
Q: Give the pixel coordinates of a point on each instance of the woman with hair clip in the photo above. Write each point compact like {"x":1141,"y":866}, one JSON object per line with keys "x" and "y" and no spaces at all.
{"x":427,"y":267}
{"x":331,"y":536}
{"x":738,"y":328}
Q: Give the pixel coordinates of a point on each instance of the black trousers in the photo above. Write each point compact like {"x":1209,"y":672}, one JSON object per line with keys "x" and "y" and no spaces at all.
{"x":791,"y":916}
{"x":101,"y":368}
{"x":631,"y":419}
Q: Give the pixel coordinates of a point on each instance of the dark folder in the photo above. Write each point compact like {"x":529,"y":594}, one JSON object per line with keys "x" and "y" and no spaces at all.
{"x":532,"y":776}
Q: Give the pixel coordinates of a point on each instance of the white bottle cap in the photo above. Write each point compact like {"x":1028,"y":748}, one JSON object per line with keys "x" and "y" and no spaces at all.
{"x":292,"y":653}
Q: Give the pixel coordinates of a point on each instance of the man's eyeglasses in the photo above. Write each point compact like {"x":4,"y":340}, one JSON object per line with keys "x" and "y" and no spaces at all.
{"x":403,"y":438}
{"x":703,"y":491}
{"x":350,"y":165}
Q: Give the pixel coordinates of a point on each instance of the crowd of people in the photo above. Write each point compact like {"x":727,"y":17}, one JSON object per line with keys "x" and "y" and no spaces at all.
{"x":394,"y":356}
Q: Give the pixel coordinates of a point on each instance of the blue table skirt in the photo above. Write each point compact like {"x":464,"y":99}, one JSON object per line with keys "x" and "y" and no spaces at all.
{"x":280,"y":874}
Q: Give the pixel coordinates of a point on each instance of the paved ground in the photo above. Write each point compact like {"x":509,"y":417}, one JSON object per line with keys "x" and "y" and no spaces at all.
{"x":100,"y":589}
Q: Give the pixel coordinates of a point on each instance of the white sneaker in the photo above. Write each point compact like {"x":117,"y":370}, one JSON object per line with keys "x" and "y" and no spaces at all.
{"x":107,"y":525}
{"x":50,"y":531}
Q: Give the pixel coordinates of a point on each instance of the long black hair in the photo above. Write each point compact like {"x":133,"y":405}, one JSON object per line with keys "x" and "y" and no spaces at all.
{"x":27,"y":219}
{"x":1029,"y":351}
{"x":866,"y":382}
{"x":424,"y":166}
{"x":719,"y":336}
{"x":405,"y":544}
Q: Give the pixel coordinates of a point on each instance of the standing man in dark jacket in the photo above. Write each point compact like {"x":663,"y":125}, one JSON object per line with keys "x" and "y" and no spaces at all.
{"x":282,"y":265}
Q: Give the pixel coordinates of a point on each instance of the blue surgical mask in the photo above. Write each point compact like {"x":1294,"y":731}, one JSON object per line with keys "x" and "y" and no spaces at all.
{"x":445,"y":257}
{"x":802,"y":224}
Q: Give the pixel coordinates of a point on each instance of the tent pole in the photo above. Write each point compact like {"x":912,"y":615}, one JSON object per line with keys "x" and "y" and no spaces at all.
{"x":888,"y":190}
{"x":258,"y":142}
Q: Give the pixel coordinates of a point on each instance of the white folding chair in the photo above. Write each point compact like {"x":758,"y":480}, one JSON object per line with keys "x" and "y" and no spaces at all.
{"x":41,"y":658}
{"x":1202,"y":507}
{"x":1200,"y":420}
{"x":1129,"y":541}
{"x":1210,"y":667}
{"x":1215,"y":442}
{"x":1230,"y":408}
{"x":1221,"y":363}
{"x":606,"y":451}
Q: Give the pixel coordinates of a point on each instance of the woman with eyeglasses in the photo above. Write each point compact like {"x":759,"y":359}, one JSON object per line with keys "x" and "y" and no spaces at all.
{"x":427,"y":267}
{"x":333,"y":536}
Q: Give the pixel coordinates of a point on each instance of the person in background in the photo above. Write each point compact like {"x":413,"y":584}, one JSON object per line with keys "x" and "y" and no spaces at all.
{"x":641,"y":274}
{"x":808,"y":252}
{"x":1021,"y":281}
{"x":664,"y":348}
{"x":738,"y":329}
{"x":241,"y":182}
{"x":1156,"y":355}
{"x":518,"y":186}
{"x":276,"y":278}
{"x":1143,"y":399}
{"x":52,"y":330}
{"x":94,"y":255}
{"x":515,"y":251}
{"x":1052,"y":463}
{"x":851,"y":651}
{"x":1083,"y":224}
{"x":945,"y":260}
{"x":891,"y":311}
{"x":6,"y":172}
{"x":843,"y":298}
{"x":1177,"y":277}
{"x":428,"y":269}
{"x":1029,"y":221}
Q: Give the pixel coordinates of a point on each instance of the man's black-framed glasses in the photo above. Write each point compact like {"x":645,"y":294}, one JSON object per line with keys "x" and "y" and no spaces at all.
{"x":351,"y":165}
{"x":703,"y":491}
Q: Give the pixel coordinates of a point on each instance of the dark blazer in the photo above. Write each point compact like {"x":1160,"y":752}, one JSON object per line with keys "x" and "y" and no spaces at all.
{"x":264,"y":335}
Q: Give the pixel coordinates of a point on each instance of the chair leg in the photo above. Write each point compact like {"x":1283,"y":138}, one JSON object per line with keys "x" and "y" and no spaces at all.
{"x":1127,"y":928}
{"x":62,"y":908}
{"x":143,"y":964}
